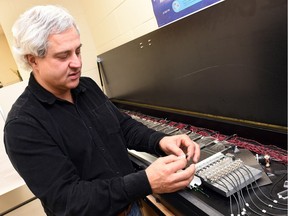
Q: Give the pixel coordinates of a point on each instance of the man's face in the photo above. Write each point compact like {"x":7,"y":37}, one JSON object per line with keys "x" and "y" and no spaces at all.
{"x":60,"y":70}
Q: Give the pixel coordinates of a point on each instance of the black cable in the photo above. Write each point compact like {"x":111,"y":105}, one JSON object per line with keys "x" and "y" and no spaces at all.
{"x":269,"y":205}
{"x":246,"y":204}
{"x":225,"y":186}
{"x":233,"y":186}
{"x":254,"y":181}
{"x":274,"y":185}
{"x":262,"y":210}
{"x":230,"y":137}
{"x":236,"y":190}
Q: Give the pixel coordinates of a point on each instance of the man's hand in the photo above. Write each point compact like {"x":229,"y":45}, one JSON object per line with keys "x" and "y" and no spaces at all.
{"x":179,"y":145}
{"x":167,"y":174}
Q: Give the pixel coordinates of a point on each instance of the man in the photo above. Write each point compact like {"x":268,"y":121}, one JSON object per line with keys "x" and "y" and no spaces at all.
{"x":69,"y":142}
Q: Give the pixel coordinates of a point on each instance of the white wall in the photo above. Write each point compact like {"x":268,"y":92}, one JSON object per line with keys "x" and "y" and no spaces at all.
{"x":116,"y":22}
{"x":8,"y":95}
{"x":7,"y":63}
{"x":12,"y":187}
{"x":11,"y":9}
{"x":103,"y":24}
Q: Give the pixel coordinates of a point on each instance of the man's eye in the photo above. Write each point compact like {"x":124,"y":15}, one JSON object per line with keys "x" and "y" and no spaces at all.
{"x":78,"y":52}
{"x":62,"y":56}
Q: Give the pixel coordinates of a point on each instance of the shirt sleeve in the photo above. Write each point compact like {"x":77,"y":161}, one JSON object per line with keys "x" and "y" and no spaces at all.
{"x":52,"y":177}
{"x":138,"y":136}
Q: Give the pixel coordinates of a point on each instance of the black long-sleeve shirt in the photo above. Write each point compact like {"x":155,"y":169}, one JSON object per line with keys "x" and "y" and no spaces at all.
{"x":74,"y":157}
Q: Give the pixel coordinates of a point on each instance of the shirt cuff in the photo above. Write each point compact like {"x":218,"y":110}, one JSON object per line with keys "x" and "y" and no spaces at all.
{"x":156,"y":137}
{"x":137,"y":185}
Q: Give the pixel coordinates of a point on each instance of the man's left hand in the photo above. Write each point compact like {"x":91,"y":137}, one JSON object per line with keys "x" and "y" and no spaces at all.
{"x":180,"y":145}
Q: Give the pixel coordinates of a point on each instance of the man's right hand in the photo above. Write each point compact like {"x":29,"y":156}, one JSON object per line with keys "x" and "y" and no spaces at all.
{"x":168,"y":174}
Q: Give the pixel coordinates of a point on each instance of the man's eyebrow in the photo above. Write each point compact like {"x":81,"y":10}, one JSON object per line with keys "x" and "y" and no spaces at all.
{"x":67,"y":51}
{"x":79,"y":47}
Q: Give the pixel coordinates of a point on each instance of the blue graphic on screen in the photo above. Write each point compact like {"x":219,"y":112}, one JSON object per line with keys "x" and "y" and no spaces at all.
{"x":179,"y":5}
{"x":167,"y":11}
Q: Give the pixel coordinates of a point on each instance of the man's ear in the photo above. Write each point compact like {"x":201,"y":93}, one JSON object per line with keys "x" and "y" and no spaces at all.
{"x":31,"y":60}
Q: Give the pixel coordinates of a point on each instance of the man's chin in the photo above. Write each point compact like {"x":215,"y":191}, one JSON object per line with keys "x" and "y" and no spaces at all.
{"x":74,"y":83}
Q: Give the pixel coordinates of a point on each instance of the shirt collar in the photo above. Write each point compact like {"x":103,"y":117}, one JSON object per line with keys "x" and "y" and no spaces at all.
{"x":45,"y":96}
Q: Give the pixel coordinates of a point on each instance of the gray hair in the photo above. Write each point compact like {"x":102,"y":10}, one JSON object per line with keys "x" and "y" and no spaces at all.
{"x":32,"y":29}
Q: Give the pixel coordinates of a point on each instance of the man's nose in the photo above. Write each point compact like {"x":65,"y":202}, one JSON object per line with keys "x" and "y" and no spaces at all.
{"x":75,"y":61}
